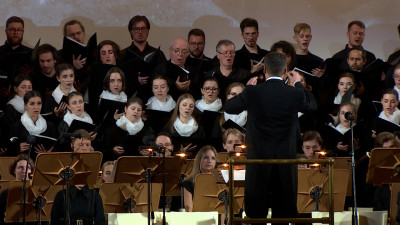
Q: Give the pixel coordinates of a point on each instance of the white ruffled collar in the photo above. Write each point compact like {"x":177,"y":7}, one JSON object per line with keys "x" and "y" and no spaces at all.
{"x":33,"y":128}
{"x":18,"y":103}
{"x":121,"y":97}
{"x":214,"y":106}
{"x":58,"y":94}
{"x":154,"y":104}
{"x":69,"y":117}
{"x":394,"y":118}
{"x":240,"y":118}
{"x":127,"y":125}
{"x":185,"y":130}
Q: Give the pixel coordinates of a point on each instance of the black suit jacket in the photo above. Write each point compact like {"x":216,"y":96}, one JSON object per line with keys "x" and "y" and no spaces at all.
{"x":272,"y":133}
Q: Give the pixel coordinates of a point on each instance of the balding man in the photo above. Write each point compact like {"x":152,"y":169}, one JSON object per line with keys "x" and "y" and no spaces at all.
{"x":182,"y":79}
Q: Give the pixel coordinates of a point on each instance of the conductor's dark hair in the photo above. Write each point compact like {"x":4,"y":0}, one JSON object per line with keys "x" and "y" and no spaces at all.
{"x":19,"y":158}
{"x":73,"y":22}
{"x":30,"y":95}
{"x":248,"y":22}
{"x":197,"y":32}
{"x":275,"y":64}
{"x":355,"y":22}
{"x":15,"y":19}
{"x":106,"y":81}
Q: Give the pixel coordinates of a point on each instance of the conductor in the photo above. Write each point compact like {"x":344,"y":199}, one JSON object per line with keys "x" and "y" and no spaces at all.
{"x":272,"y":133}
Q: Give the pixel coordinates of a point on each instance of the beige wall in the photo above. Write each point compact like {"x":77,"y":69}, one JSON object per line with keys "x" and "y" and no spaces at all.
{"x":218,"y":18}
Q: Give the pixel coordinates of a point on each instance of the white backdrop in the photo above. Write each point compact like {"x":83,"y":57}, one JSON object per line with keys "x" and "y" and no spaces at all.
{"x":218,"y":18}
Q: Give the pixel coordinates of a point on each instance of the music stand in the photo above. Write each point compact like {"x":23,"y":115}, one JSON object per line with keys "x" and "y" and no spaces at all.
{"x":49,"y":167}
{"x":345,"y":163}
{"x":38,"y":199}
{"x":132,"y":169}
{"x":384,"y":166}
{"x":187,"y":167}
{"x":128,"y":198}
{"x":207,"y":193}
{"x":315,"y":181}
{"x":69,"y":169}
{"x":5,"y":176}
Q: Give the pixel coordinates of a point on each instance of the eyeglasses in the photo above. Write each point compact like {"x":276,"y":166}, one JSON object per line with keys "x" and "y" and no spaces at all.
{"x":181,"y":51}
{"x":226,"y":53}
{"x":13,"y":30}
{"x":137,"y":29}
{"x":196,"y":43}
{"x":207,"y":89}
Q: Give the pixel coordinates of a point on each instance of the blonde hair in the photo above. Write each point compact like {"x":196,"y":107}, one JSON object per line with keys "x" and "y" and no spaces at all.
{"x":197,"y":162}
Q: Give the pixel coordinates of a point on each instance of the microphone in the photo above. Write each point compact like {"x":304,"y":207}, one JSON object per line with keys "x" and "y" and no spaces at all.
{"x":71,"y":135}
{"x":349,"y":116}
{"x":31,"y":139}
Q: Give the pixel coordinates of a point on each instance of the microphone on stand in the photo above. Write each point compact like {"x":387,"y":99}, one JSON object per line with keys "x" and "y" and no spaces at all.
{"x":349,"y":116}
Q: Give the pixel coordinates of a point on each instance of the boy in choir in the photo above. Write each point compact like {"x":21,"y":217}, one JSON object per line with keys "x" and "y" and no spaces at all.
{"x":44,"y":79}
{"x":250,"y":57}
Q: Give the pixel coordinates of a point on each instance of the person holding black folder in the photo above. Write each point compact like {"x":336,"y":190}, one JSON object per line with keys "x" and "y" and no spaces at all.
{"x":76,"y":112}
{"x":107,"y":57}
{"x":159,"y":107}
{"x":15,"y":107}
{"x":209,"y":106}
{"x":113,"y":98}
{"x":128,"y":133}
{"x":32,"y":123}
{"x":389,"y":118}
{"x":55,"y":103}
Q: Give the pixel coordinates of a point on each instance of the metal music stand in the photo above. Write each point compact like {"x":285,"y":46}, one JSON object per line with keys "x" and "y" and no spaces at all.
{"x":208,"y":195}
{"x":313,"y":190}
{"x":129,"y":198}
{"x":39,"y":200}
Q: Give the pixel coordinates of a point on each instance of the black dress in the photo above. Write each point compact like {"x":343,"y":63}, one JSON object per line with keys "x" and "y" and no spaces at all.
{"x":86,"y":205}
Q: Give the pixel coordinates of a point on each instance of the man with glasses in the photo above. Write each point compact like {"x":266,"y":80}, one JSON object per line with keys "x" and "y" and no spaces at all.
{"x":14,"y":56}
{"x":197,"y":60}
{"x":133,"y":62}
{"x":184,"y":80}
{"x":75,"y":30}
{"x":250,"y":56}
{"x":226,"y":73}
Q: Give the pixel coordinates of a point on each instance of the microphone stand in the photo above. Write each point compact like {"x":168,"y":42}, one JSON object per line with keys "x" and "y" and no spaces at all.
{"x":354,"y":210}
{"x":162,"y":151}
{"x":31,"y":139}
